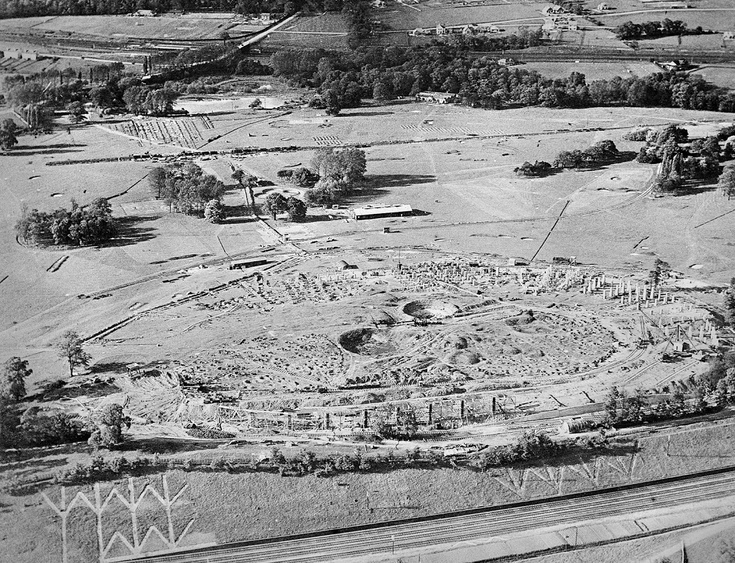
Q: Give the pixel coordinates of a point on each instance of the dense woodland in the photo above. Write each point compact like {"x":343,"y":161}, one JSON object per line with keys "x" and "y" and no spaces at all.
{"x":386,"y":73}
{"x":92,"y":224}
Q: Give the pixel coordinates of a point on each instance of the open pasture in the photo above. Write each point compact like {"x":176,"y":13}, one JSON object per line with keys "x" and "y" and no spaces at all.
{"x":124,"y":27}
{"x":408,"y":17}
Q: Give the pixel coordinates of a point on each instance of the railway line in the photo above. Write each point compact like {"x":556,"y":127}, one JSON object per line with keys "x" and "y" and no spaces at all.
{"x":477,"y":524}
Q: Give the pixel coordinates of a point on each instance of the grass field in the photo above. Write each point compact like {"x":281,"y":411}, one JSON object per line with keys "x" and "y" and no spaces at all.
{"x":593,"y":71}
{"x":229,"y":507}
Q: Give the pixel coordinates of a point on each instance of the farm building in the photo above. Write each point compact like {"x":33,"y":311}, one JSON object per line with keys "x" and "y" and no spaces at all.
{"x":381,"y":211}
{"x":603,"y":7}
{"x":728,"y":35}
{"x":18,"y":54}
{"x":436,"y":97}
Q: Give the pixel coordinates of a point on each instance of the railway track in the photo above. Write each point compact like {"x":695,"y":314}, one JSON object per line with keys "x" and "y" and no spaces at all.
{"x":474,"y":525}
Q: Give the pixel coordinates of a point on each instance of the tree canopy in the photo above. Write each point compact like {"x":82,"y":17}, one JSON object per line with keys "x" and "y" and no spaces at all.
{"x":71,"y":348}
{"x":12,"y":383}
{"x":8,"y":131}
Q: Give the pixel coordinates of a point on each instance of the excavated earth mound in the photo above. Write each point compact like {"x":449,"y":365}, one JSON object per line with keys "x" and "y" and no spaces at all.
{"x":430,"y":309}
{"x":367,"y":342}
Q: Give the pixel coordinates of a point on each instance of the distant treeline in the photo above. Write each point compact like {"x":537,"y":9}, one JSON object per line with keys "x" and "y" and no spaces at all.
{"x":29,"y":8}
{"x":343,"y":79}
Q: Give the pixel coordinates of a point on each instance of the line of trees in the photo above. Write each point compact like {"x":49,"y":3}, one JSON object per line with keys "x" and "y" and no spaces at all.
{"x":344,"y":79}
{"x":78,"y":226}
{"x":603,"y":152}
{"x":598,"y":154}
{"x":532,"y":447}
{"x":655,"y":29}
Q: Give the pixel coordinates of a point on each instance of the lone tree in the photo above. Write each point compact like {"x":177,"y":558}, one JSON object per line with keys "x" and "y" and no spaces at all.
{"x":8,"y":138}
{"x":70,"y":348}
{"x":12,"y":384}
{"x":727,"y":181}
{"x":247,"y":182}
{"x":296,"y":209}
{"x":76,"y":111}
{"x":275,"y":203}
{"x":214,"y":211}
{"x":110,"y":422}
{"x":730,"y":304}
{"x":659,"y":269}
{"x":157,"y":181}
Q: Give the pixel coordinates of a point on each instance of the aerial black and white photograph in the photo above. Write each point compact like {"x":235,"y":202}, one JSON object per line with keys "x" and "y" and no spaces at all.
{"x":367,"y":281}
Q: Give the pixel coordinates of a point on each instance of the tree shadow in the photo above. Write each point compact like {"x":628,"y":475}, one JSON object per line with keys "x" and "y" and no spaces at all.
{"x":695,"y":186}
{"x":130,"y":232}
{"x":396,"y":180}
{"x":58,"y":390}
{"x":168,"y":445}
{"x":114,"y":367}
{"x":48,"y":147}
{"x":365,"y":113}
{"x":16,"y":152}
{"x":319,"y":218}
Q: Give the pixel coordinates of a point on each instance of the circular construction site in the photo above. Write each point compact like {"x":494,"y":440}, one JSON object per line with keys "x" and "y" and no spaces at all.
{"x":426,"y":310}
{"x":367,"y":342}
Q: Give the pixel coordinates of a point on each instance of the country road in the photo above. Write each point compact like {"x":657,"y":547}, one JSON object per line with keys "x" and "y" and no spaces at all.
{"x":453,"y":528}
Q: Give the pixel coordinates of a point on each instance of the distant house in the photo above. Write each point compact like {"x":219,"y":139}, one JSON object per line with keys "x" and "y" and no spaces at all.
{"x":419,"y":31}
{"x":441,"y":30}
{"x":378,"y":3}
{"x":603,"y":7}
{"x":436,"y":97}
{"x":552,"y":9}
{"x":381,"y":211}
{"x":469,"y":29}
{"x":728,"y":35}
{"x":143,"y":14}
{"x":559,"y":23}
